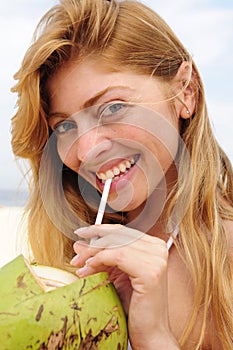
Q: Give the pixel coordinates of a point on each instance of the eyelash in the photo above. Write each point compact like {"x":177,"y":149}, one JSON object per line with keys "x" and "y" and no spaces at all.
{"x":68,"y":125}
{"x":103,"y":113}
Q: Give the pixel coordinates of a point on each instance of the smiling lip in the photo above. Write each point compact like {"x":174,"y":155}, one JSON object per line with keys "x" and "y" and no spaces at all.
{"x":117,"y":170}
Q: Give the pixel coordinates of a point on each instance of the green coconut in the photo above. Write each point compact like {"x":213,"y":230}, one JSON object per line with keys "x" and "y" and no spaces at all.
{"x":45,"y":308}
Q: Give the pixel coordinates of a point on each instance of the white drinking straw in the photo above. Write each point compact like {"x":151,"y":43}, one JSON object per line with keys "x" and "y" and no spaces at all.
{"x":102,"y":205}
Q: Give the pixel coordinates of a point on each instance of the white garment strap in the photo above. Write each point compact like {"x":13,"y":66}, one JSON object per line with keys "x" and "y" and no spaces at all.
{"x":170,"y":240}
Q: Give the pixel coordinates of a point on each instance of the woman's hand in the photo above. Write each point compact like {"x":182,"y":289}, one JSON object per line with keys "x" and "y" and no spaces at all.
{"x":137,"y":265}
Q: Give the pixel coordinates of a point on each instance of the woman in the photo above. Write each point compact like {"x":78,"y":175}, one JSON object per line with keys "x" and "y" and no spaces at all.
{"x":108,"y":91}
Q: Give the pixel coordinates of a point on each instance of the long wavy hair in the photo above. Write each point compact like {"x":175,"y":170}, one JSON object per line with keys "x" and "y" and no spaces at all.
{"x":124,"y":34}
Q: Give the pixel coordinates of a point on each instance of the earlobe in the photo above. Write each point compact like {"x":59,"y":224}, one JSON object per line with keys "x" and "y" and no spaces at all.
{"x":187,"y":114}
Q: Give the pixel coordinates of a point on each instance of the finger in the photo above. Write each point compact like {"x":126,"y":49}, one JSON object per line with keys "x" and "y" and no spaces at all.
{"x":96,"y":230}
{"x":106,"y":229}
{"x":145,"y":243}
{"x":83,"y":252}
{"x":128,"y":260}
{"x":112,"y":240}
{"x":113,"y":236}
{"x":109,"y":236}
{"x":145,"y":267}
{"x":87,"y":269}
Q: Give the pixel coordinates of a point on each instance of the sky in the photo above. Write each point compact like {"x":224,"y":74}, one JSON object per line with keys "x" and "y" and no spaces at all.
{"x":204,"y":26}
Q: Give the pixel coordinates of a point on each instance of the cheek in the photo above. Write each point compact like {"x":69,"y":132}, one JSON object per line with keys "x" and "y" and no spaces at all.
{"x":131,"y":133}
{"x":166,"y":151}
{"x":67,"y":152}
{"x":162,"y":141}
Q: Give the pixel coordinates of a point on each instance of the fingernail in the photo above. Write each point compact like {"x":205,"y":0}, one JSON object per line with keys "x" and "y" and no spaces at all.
{"x":82,"y":271}
{"x":75,"y":260}
{"x":79,"y":230}
{"x":88,"y":261}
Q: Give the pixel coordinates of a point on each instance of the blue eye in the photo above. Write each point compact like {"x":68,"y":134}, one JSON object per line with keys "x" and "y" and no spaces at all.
{"x":64,"y":127}
{"x":113,"y":109}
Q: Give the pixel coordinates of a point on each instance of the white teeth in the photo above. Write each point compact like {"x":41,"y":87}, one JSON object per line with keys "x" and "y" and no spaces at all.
{"x":122,"y":167}
{"x":102,"y":176}
{"x":132,"y":161}
{"x":109,"y":174}
{"x":128,"y":164}
{"x":116,"y":171}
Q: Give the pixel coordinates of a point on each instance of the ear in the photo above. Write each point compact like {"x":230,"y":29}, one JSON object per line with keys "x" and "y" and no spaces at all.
{"x":186,"y":90}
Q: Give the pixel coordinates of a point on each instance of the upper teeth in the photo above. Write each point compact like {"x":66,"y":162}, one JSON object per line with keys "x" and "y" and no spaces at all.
{"x":121,"y":168}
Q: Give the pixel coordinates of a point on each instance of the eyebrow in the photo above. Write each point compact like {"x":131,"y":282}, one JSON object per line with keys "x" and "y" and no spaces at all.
{"x":93,"y":100}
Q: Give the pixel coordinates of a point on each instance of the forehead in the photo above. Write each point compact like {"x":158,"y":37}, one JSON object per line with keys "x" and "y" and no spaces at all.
{"x":75,"y":83}
{"x":89,"y":74}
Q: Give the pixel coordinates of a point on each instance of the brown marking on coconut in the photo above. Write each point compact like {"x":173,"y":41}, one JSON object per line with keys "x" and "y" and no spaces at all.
{"x":39,"y":313}
{"x":20,"y":281}
{"x":56,"y":341}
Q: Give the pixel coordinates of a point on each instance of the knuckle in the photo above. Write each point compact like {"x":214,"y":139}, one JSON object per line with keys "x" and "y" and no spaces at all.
{"x":159,"y":268}
{"x":120,"y":257}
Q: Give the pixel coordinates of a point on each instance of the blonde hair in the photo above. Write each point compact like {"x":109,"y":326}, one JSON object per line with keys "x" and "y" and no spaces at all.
{"x":125,"y":34}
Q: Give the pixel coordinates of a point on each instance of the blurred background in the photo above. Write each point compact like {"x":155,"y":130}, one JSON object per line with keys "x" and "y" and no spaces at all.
{"x":204,"y":26}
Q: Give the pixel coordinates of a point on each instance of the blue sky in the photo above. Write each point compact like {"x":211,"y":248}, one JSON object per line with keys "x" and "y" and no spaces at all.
{"x":204,"y":26}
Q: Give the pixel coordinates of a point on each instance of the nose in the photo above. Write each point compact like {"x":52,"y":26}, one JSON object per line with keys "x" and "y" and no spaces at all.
{"x":92,"y":145}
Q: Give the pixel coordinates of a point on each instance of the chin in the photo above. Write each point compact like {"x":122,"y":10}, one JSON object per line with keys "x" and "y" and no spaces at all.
{"x":125,"y":204}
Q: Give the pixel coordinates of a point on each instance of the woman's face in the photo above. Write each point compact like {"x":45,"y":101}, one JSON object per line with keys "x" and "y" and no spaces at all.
{"x":114,"y":124}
